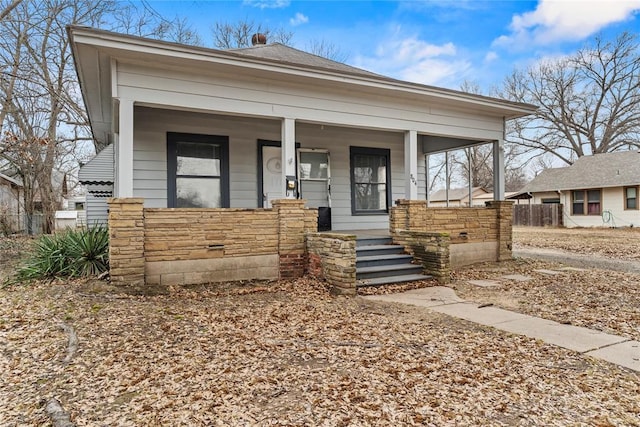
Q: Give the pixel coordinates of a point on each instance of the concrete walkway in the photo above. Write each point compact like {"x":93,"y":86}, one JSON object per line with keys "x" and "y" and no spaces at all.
{"x":612,"y":348}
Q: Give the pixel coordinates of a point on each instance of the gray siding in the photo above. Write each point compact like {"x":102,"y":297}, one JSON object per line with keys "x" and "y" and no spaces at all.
{"x":97,"y":211}
{"x":150,"y":169}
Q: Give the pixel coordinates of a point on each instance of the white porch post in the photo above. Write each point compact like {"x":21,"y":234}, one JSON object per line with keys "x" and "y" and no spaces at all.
{"x":125,"y":149}
{"x":288,"y":155}
{"x":498,"y":169}
{"x":411,"y":165}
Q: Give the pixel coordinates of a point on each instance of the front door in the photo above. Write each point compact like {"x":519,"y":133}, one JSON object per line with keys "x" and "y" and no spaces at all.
{"x":271,"y":174}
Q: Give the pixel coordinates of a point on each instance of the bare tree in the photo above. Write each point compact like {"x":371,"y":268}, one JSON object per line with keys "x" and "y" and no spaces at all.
{"x":40,"y":97}
{"x":8,"y":8}
{"x":238,"y":35}
{"x":327,"y":50}
{"x":589,"y":101}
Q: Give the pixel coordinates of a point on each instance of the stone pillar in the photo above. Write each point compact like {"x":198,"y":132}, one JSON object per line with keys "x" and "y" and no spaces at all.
{"x":126,"y":241}
{"x":414,"y":216}
{"x":291,"y":240}
{"x":504,"y":215}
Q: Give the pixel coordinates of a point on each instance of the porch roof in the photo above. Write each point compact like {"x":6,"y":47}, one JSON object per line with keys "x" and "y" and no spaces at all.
{"x":96,"y":52}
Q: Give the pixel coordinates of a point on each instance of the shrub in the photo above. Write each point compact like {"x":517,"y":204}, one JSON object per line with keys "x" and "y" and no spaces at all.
{"x":72,"y":253}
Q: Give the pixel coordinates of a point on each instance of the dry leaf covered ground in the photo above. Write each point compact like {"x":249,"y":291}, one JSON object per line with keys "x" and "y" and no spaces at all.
{"x":618,"y":243}
{"x":286,"y":353}
{"x":595,"y":298}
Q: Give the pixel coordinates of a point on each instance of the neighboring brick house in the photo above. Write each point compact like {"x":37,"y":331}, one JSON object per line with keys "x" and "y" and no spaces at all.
{"x":209,"y":144}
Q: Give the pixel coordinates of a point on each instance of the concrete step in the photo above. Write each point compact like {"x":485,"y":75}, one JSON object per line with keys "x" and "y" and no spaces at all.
{"x":379,"y":281}
{"x":387,"y":271}
{"x":373,"y":250}
{"x":380,"y":260}
{"x":369,"y":241}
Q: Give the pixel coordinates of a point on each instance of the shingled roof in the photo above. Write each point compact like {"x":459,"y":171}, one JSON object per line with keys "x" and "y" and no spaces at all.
{"x":290,"y":55}
{"x":599,"y":171}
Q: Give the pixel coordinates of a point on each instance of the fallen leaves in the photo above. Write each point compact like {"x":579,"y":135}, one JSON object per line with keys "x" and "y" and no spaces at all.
{"x":288,"y":354}
{"x":617,"y":243}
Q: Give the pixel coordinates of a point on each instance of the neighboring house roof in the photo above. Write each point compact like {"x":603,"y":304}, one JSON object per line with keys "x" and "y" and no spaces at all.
{"x":94,"y":50}
{"x":11,"y":180}
{"x":601,"y":170}
{"x":98,"y":170}
{"x":456,"y":194}
{"x":489,"y":196}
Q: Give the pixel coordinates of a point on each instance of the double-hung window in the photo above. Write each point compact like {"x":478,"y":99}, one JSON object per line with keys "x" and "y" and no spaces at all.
{"x":198,"y":174}
{"x":370,"y":180}
{"x":586,"y":202}
{"x":631,"y":198}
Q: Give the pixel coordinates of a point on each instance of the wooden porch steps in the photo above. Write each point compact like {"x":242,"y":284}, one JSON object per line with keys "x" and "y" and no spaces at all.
{"x":380,"y":262}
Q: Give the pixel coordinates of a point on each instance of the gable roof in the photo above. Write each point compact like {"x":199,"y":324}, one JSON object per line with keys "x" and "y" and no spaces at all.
{"x":598,"y":171}
{"x":455,"y":194}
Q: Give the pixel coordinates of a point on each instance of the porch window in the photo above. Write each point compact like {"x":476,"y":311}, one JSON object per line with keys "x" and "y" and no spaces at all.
{"x":370,"y":180}
{"x":197,"y":171}
{"x":631,"y":197}
{"x":586,"y":202}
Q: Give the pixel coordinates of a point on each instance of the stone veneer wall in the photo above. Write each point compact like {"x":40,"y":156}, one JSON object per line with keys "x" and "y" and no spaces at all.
{"x":332,"y":257}
{"x":492,"y":223}
{"x":431,"y":249}
{"x":189,"y":246}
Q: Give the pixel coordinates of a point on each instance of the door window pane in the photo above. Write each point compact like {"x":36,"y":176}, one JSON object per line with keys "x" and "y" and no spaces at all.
{"x":314,"y":165}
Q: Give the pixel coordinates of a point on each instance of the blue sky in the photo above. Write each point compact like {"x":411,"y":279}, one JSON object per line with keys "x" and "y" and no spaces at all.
{"x":438,"y":42}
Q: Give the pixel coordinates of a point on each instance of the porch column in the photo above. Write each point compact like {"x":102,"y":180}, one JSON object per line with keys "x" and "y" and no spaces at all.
{"x":125,"y":149}
{"x":411,"y":165}
{"x":498,"y":169}
{"x":288,"y":155}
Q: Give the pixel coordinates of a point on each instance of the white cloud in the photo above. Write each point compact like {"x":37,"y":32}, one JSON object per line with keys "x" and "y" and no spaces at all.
{"x":565,"y":20}
{"x":490,"y":56}
{"x":417,"y":61}
{"x":267,"y":4}
{"x":299,"y":19}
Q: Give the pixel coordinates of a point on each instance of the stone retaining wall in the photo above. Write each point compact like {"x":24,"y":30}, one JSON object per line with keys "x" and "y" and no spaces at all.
{"x":188,"y":246}
{"x":488,"y":229}
{"x":431,"y":249}
{"x":332,"y":257}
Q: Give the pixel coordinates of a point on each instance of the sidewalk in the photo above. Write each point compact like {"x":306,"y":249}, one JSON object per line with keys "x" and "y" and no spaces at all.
{"x":612,"y":348}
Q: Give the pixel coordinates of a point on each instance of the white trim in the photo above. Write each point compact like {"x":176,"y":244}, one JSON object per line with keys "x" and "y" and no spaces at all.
{"x":288,"y":154}
{"x":125,"y":149}
{"x":498,"y":170}
{"x":411,"y":165}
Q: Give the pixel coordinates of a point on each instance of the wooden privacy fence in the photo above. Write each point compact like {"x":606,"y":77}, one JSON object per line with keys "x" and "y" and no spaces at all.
{"x":549,"y":215}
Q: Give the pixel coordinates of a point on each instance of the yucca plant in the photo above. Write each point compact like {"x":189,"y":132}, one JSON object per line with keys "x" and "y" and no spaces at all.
{"x":72,"y":253}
